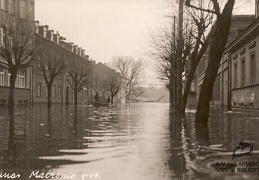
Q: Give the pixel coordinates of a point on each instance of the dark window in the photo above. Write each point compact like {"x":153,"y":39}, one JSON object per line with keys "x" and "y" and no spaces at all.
{"x":252,"y":68}
{"x":243,"y":75}
{"x":235,"y":75}
{"x":39,"y":89}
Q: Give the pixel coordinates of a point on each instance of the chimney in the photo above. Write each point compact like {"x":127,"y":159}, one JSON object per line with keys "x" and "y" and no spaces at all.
{"x":87,"y":57}
{"x":56,"y":38}
{"x":71,"y":46}
{"x":50,"y":34}
{"x":43,"y":30}
{"x":79,"y":51}
{"x":83,"y":53}
{"x":75,"y":49}
{"x":256,"y":8}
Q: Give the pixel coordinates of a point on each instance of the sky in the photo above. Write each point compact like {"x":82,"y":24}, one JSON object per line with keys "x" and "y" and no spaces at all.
{"x":108,"y":28}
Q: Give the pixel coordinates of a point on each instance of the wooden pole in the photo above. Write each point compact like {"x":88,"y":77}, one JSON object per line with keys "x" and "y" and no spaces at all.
{"x":179,"y":59}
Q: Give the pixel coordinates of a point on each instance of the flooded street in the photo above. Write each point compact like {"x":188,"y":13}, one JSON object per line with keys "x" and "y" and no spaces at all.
{"x":140,"y":141}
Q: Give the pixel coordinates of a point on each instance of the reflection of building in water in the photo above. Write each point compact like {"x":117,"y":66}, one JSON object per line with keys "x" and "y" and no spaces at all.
{"x":34,"y":136}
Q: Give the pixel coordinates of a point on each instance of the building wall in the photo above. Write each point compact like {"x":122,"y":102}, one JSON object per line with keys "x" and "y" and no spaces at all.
{"x":18,"y":11}
{"x":245,"y":75}
{"x":61,"y":90}
{"x":220,"y":90}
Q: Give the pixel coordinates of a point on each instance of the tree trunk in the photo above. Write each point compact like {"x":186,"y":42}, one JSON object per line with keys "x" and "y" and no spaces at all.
{"x":112,"y":98}
{"x":187,"y":87}
{"x":11,"y":89}
{"x":49,"y":86}
{"x":216,"y":50}
{"x":75,"y":97}
{"x":67,"y":96}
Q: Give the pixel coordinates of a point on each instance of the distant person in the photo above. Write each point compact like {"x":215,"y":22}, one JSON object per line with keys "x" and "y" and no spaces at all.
{"x":108,"y":99}
{"x":96,"y":97}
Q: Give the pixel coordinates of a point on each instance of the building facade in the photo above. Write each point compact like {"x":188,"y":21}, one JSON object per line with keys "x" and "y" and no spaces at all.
{"x":14,"y":11}
{"x":221,"y":86}
{"x":30,"y":85}
{"x":244,"y":65}
{"x":49,"y":42}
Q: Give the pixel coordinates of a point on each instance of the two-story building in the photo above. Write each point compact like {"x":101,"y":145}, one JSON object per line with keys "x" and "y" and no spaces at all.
{"x":47,"y":41}
{"x":15,"y":11}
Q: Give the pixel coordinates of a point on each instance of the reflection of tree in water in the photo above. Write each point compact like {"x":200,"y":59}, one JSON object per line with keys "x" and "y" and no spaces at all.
{"x":177,"y":156}
{"x":34,"y":132}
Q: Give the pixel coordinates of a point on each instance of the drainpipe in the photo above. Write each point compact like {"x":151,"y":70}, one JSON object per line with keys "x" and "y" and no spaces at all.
{"x":229,"y":81}
{"x":31,"y":84}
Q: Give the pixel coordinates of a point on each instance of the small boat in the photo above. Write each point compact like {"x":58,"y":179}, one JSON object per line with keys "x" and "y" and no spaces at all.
{"x":97,"y":104}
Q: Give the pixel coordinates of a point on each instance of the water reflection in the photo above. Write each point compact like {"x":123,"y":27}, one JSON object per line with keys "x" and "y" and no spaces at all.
{"x":140,"y":141}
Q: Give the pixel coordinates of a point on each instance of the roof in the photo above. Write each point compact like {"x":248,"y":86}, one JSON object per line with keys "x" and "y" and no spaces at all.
{"x":247,"y":35}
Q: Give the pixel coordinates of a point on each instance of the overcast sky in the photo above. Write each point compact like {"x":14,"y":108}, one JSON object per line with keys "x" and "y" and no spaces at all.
{"x":106,"y":28}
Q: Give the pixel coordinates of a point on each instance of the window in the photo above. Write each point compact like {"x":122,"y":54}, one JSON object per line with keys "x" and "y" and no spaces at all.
{"x":2,"y":36}
{"x":8,"y":78}
{"x":10,"y":41}
{"x":20,"y":80}
{"x":242,"y":71}
{"x":11,"y":6}
{"x":23,"y":9}
{"x":235,"y":75}
{"x":4,"y":5}
{"x":39,"y":89}
{"x":1,"y":76}
{"x":59,"y":91}
{"x":39,"y":62}
{"x":53,"y":90}
{"x":252,"y":68}
{"x":67,"y":68}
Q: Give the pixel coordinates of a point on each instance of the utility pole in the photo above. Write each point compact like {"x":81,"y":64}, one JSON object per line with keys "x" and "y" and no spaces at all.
{"x":172,"y":82}
{"x":179,"y":59}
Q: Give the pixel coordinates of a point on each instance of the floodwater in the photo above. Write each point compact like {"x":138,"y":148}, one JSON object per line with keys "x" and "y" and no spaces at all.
{"x":140,"y":141}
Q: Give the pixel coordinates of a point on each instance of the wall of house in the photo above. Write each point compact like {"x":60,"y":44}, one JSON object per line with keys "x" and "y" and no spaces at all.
{"x":220,"y":91}
{"x":245,"y":75}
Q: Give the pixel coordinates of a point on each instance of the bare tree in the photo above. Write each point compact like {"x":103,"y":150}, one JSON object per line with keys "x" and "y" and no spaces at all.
{"x":201,"y":21}
{"x":16,"y":48}
{"x":216,"y":50}
{"x":79,"y":77}
{"x":114,"y":83}
{"x":164,"y":48}
{"x":51,"y":63}
{"x":131,"y":70}
{"x":97,"y":85}
{"x":104,"y":88}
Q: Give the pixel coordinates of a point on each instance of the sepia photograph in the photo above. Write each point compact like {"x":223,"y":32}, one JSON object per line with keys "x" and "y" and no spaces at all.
{"x":129,"y":89}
